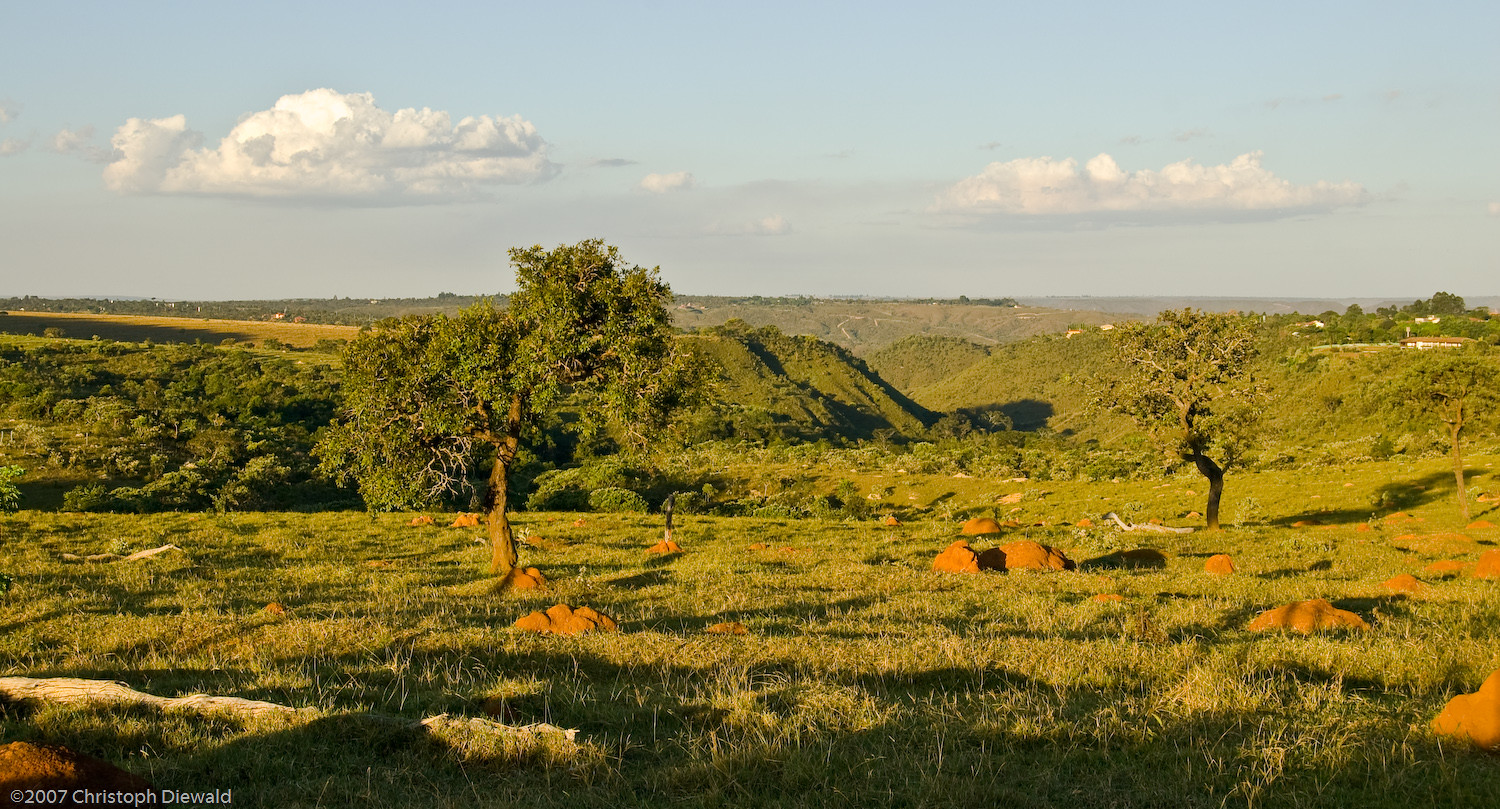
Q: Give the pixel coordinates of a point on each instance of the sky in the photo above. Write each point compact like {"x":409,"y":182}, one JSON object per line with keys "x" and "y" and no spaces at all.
{"x":204,"y":150}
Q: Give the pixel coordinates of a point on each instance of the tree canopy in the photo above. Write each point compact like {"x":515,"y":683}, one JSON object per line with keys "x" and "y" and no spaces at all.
{"x":429,"y":400}
{"x":1458,"y":389}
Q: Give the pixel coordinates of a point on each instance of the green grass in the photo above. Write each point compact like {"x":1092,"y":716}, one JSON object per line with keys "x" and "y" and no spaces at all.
{"x":866,"y":679}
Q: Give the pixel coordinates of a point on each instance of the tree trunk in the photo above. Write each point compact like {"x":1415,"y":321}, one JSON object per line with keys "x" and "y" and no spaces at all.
{"x":1215,"y":475}
{"x":503,"y":556}
{"x":1458,"y":468}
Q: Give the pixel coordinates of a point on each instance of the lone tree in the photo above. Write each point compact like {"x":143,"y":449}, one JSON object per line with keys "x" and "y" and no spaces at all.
{"x":1187,"y":381}
{"x":1457,"y":388}
{"x":429,"y":400}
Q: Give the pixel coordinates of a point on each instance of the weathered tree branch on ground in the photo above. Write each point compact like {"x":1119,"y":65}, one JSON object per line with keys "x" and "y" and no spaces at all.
{"x":72,"y":690}
{"x":1155,"y":529}
{"x":115,"y":557}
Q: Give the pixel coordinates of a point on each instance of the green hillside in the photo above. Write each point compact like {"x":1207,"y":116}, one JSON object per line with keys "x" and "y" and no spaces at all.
{"x":924,"y":359}
{"x":770,"y":385}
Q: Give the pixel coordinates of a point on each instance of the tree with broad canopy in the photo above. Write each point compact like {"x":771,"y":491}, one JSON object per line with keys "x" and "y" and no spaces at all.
{"x":428,"y":400}
{"x":1187,"y":381}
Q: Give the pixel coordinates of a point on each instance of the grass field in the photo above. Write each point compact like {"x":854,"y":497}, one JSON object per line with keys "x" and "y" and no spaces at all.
{"x":865,"y":679}
{"x":139,"y":328}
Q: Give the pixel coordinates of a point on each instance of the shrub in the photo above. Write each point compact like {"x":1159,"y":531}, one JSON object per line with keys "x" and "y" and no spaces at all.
{"x":615,"y":500}
{"x":10,"y":496}
{"x":558,"y":490}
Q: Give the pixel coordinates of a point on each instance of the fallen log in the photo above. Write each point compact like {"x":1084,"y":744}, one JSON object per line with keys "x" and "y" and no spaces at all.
{"x":72,"y":690}
{"x":1155,"y":529}
{"x":115,"y":557}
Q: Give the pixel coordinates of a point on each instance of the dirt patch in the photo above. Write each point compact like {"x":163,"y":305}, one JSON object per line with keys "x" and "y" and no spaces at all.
{"x":1363,"y":528}
{"x":1307,"y":616}
{"x":760,"y":546}
{"x":957,"y":558}
{"x":1489,"y":566}
{"x":980,"y":526}
{"x":562,"y":619}
{"x":1220,"y":564}
{"x":37,"y":766}
{"x":665,"y":546}
{"x":1108,"y":597}
{"x":465,"y":521}
{"x":1404,"y":583}
{"x":1475,"y":717}
{"x":1307,"y":523}
{"x":518,"y":579}
{"x":727,"y":628}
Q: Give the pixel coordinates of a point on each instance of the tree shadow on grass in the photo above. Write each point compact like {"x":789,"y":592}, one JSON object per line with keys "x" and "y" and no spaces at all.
{"x":1138,"y":559}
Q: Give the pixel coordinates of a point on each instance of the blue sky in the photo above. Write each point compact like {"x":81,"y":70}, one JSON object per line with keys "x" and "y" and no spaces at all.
{"x":197,"y":150}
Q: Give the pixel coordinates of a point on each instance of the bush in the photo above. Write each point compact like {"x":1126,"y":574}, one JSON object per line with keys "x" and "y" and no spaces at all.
{"x":10,"y":496}
{"x":88,"y":497}
{"x":615,"y":500}
{"x":558,"y":490}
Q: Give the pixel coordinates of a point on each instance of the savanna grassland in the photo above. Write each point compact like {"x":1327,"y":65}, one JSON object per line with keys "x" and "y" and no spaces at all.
{"x":865,"y":678}
{"x":814,"y":483}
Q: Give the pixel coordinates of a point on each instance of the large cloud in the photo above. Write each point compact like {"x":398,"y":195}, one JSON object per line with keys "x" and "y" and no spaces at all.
{"x":326,"y":144}
{"x":1043,"y":186}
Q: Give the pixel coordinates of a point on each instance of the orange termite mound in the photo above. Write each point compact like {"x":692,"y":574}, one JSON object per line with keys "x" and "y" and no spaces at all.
{"x":1307,"y":523}
{"x":1489,"y":566}
{"x":1444,"y":566}
{"x":728,"y":628}
{"x":1108,"y":597}
{"x":420,"y":519}
{"x":957,"y":558}
{"x":1307,"y":616}
{"x":579,"y":523}
{"x":890,"y":520}
{"x":465,"y":521}
{"x":1363,"y":528}
{"x":980,"y":525}
{"x":665,"y":546}
{"x":36,"y":766}
{"x":275,"y":609}
{"x":528,"y":579}
{"x":1219,"y":564}
{"x":1475,"y":717}
{"x":1085,"y":523}
{"x":564,"y":620}
{"x":1404,"y":583}
{"x":760,"y":546}
{"x":1024,"y":554}
{"x":1478,"y":524}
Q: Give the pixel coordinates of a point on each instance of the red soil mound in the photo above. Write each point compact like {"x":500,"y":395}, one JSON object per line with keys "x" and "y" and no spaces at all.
{"x":1475,"y":717}
{"x":35,"y":766}
{"x":1307,"y":523}
{"x":1220,"y":564}
{"x":890,"y":521}
{"x":528,"y":579}
{"x":1489,"y":566}
{"x":1363,"y":528}
{"x":957,"y":558}
{"x":1444,"y":567}
{"x":1012,"y":498}
{"x":465,"y":521}
{"x":1108,"y":597}
{"x":1307,"y":616}
{"x":1404,"y":583}
{"x":1085,"y":523}
{"x":564,"y":620}
{"x":1478,"y":524}
{"x":665,"y":546}
{"x":980,"y":525}
{"x":275,"y":609}
{"x":1025,"y":554}
{"x":1434,"y":544}
{"x":579,"y":523}
{"x":421,"y":519}
{"x":728,"y":628}
{"x":760,"y":546}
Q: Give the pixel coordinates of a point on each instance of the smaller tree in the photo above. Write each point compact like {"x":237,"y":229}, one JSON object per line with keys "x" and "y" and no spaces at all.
{"x":1458,"y":389}
{"x":10,"y":494}
{"x":1187,"y":381}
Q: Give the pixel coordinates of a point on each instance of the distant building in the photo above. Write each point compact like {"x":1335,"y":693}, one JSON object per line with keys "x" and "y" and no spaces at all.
{"x":1107,"y":327}
{"x":1423,"y":343}
{"x":1433,"y":319}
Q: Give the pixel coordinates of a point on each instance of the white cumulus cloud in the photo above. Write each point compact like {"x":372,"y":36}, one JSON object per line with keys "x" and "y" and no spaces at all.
{"x":773,"y":225}
{"x":11,"y":146}
{"x":662,"y":183}
{"x":1044,"y":186}
{"x":326,"y":144}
